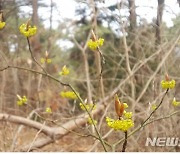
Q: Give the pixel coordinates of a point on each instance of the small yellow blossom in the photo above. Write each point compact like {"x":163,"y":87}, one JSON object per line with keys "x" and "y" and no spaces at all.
{"x":175,"y":103}
{"x":165,"y":84}
{"x":68,"y":94}
{"x":65,"y":71}
{"x":100,"y":42}
{"x":125,"y":105}
{"x":28,"y":30}
{"x":42,"y":60}
{"x":93,"y":45}
{"x":128,"y":115}
{"x":2,"y":24}
{"x":123,"y":125}
{"x":90,"y":121}
{"x":153,"y":107}
{"x":87,"y":106}
{"x":47,"y":60}
{"x":48,"y":110}
{"x":21,"y":100}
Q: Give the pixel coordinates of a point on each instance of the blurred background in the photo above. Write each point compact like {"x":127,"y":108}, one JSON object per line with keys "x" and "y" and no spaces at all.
{"x":141,"y":46}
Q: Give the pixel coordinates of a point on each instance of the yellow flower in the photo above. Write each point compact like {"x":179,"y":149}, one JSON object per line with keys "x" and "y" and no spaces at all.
{"x":2,"y":24}
{"x":27,"y":30}
{"x":153,"y":107}
{"x":125,"y":105}
{"x":175,"y":103}
{"x":93,"y":45}
{"x":128,"y":115}
{"x":48,"y":110}
{"x":100,"y":42}
{"x":87,"y":106}
{"x":123,"y":125}
{"x":68,"y":94}
{"x":168,"y":84}
{"x":65,"y":71}
{"x":47,"y":60}
{"x":90,"y":121}
{"x":21,"y":100}
{"x":42,"y":60}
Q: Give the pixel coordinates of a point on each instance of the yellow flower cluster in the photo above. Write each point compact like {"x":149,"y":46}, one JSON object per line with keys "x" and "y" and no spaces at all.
{"x":90,"y":121}
{"x":175,"y":103}
{"x":2,"y":24}
{"x":124,"y":122}
{"x":68,"y":94}
{"x":48,"y":110}
{"x":168,"y":84}
{"x":27,"y":30}
{"x":128,"y":115}
{"x":87,"y":106}
{"x":46,"y":60}
{"x":94,"y":44}
{"x":21,"y":100}
{"x":123,"y":125}
{"x":65,"y":71}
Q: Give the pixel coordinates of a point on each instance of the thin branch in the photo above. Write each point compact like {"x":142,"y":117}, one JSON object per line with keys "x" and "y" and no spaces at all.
{"x":125,"y":142}
{"x":36,"y":137}
{"x":86,"y":66}
{"x":14,"y":142}
{"x":155,"y":108}
{"x":33,"y":57}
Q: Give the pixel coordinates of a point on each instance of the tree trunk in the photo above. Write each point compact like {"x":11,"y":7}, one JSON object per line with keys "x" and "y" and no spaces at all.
{"x":178,"y":2}
{"x":132,"y":17}
{"x":159,"y":21}
{"x":35,"y":42}
{"x":50,"y":27}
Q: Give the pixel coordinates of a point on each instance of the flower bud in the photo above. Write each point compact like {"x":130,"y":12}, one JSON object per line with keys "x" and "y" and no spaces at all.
{"x":46,"y":54}
{"x":119,"y":107}
{"x":167,"y":77}
{"x":93,"y":36}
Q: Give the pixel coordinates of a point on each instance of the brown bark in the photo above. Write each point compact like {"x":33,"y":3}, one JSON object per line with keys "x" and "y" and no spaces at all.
{"x":1,"y":5}
{"x":35,"y":42}
{"x":132,"y":17}
{"x":159,"y":21}
{"x":50,"y":27}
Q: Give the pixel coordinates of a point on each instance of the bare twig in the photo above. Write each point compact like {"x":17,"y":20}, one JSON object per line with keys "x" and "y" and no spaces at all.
{"x":33,"y":57}
{"x":35,"y":137}
{"x":125,"y":142}
{"x":157,"y":69}
{"x":18,"y":132}
{"x":155,"y":108}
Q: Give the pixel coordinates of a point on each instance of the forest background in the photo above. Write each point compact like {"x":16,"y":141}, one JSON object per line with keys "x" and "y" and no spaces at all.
{"x":137,"y":55}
